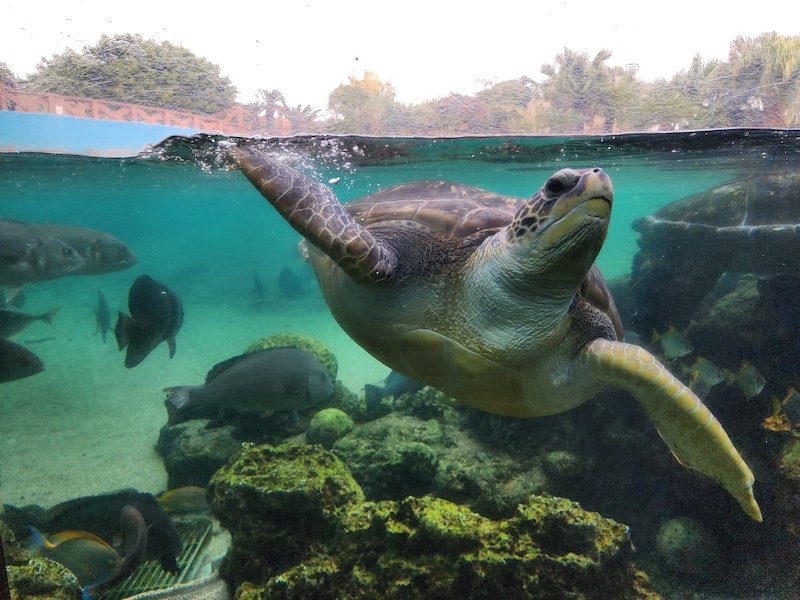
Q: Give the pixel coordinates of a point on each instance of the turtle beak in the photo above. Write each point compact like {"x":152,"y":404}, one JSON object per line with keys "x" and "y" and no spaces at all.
{"x":587,"y":204}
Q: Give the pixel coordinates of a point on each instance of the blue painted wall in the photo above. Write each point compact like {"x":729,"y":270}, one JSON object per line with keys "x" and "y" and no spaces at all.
{"x":32,"y":132}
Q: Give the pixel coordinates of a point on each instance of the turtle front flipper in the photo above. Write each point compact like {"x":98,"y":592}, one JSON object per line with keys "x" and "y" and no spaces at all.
{"x":692,"y":433}
{"x":313,"y":210}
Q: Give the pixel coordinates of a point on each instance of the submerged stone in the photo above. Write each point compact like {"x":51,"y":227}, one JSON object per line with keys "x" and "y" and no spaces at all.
{"x":302,"y":529}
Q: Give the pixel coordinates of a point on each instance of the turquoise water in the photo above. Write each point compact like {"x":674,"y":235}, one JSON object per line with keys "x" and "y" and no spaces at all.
{"x":202,"y":229}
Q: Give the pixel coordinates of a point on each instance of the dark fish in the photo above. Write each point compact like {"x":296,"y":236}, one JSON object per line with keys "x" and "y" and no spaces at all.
{"x":12,"y":322}
{"x":183,"y":500}
{"x":100,"y":515}
{"x":277,"y":379}
{"x":27,"y":256}
{"x":156,"y":316}
{"x":17,"y":362}
{"x":394,"y":385}
{"x":291,"y":284}
{"x":100,"y":251}
{"x":258,"y":288}
{"x":103,"y":315}
{"x":93,"y":561}
{"x":40,"y":340}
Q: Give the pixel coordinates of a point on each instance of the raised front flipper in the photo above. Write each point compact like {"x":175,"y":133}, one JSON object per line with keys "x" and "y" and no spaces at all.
{"x":313,"y":210}
{"x":692,"y":433}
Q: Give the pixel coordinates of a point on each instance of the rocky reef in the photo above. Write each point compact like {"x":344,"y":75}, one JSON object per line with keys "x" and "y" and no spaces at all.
{"x":301,"y":528}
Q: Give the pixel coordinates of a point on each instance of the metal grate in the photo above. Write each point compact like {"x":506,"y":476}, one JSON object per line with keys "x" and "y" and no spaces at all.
{"x":195,"y":533}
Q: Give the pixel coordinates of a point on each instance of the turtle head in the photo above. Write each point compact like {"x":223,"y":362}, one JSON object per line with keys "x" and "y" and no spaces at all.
{"x":561,"y":229}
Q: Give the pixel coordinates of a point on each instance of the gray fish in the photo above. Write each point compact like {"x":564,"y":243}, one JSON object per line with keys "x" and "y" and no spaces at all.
{"x":103,"y":316}
{"x":17,"y":362}
{"x":276,"y":379}
{"x":27,"y":256}
{"x":100,"y":251}
{"x":395,"y":384}
{"x":156,"y":316}
{"x":12,"y":322}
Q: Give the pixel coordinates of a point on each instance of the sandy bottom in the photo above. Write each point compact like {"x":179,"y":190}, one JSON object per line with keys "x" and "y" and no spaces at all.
{"x":88,"y":425}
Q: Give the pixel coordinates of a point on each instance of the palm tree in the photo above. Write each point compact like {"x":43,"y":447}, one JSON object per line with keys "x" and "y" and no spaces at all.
{"x":302,"y":118}
{"x":272,"y":107}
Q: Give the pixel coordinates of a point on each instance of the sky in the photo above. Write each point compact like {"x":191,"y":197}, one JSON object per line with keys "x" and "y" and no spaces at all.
{"x":425,"y":49}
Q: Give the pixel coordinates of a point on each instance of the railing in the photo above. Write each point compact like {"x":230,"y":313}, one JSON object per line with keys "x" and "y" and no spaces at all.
{"x":235,"y":121}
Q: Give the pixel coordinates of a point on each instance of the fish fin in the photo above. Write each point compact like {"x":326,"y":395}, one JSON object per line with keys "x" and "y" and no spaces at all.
{"x":226,"y":364}
{"x":39,"y":541}
{"x":171,"y":344}
{"x":48,"y":316}
{"x":122,"y":330}
{"x":177,"y":402}
{"x":11,"y":292}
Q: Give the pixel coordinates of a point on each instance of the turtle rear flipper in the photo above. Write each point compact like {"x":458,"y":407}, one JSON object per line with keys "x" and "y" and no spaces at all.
{"x":688,"y":428}
{"x":313,"y":210}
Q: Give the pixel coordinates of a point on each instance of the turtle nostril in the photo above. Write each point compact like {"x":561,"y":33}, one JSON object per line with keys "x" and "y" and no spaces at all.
{"x":596,"y":170}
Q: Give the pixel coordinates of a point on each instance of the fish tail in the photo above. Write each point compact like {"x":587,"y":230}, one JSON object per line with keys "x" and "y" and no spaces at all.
{"x":122,"y":330}
{"x":177,"y":402}
{"x":38,"y":541}
{"x":48,"y":316}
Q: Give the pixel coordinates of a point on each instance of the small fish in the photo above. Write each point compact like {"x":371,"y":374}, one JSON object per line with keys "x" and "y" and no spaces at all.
{"x":101,"y":252}
{"x":156,"y":316}
{"x":749,"y":380}
{"x":12,"y":322}
{"x":17,"y":362}
{"x":40,"y":340}
{"x":27,"y":257}
{"x":704,"y":375}
{"x":674,"y":343}
{"x":291,"y":284}
{"x":95,"y":564}
{"x":182,"y":500}
{"x":103,"y":316}
{"x":394,"y":385}
{"x":277,"y":379}
{"x":100,"y":515}
{"x":258,"y":288}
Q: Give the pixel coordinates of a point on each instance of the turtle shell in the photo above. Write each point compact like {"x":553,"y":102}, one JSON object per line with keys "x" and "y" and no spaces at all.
{"x":442,"y":207}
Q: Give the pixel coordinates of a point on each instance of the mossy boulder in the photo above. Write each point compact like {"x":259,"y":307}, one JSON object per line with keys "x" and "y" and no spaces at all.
{"x":302,"y":529}
{"x":277,"y":501}
{"x":686,"y":546}
{"x":294,"y":340}
{"x":33,"y":577}
{"x":327,"y":426}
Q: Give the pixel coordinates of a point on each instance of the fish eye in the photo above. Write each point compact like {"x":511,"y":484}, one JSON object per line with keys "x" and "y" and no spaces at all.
{"x":68,"y":252}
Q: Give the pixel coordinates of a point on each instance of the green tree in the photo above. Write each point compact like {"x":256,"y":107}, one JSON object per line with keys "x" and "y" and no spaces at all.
{"x":507,"y":106}
{"x":6,"y":75}
{"x":303,"y":118}
{"x":765,"y":80}
{"x":362,"y":106}
{"x":128,"y":68}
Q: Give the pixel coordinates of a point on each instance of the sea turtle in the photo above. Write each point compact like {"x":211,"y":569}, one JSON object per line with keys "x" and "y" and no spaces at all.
{"x":750,"y":225}
{"x":494,"y":301}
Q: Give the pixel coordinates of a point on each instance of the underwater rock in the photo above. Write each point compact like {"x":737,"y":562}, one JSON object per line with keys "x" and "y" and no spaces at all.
{"x":193,"y":453}
{"x":686,"y":546}
{"x":327,"y":426}
{"x":277,"y":502}
{"x":301,"y":529}
{"x":394,"y":456}
{"x":33,"y":577}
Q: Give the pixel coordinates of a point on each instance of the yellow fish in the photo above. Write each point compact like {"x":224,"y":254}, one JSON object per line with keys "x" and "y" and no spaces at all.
{"x":92,"y":560}
{"x":183,"y":500}
{"x":674,"y":343}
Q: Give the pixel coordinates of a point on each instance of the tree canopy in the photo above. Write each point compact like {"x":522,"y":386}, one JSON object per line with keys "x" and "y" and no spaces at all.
{"x":757,"y":86}
{"x":128,"y":68}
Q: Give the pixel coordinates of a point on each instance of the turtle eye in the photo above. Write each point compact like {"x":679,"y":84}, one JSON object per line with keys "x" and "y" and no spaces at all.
{"x":561,"y":182}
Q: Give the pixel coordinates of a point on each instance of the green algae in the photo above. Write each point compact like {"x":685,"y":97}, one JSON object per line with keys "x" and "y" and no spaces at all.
{"x":296,"y":534}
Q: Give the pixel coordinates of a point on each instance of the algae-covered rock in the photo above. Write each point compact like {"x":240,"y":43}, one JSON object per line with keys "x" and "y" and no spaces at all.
{"x":394,"y":456}
{"x":302,"y":529}
{"x":294,"y":340}
{"x":193,"y":453}
{"x":276,"y":502}
{"x":327,"y":426}
{"x":686,"y":546}
{"x":34,"y":577}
